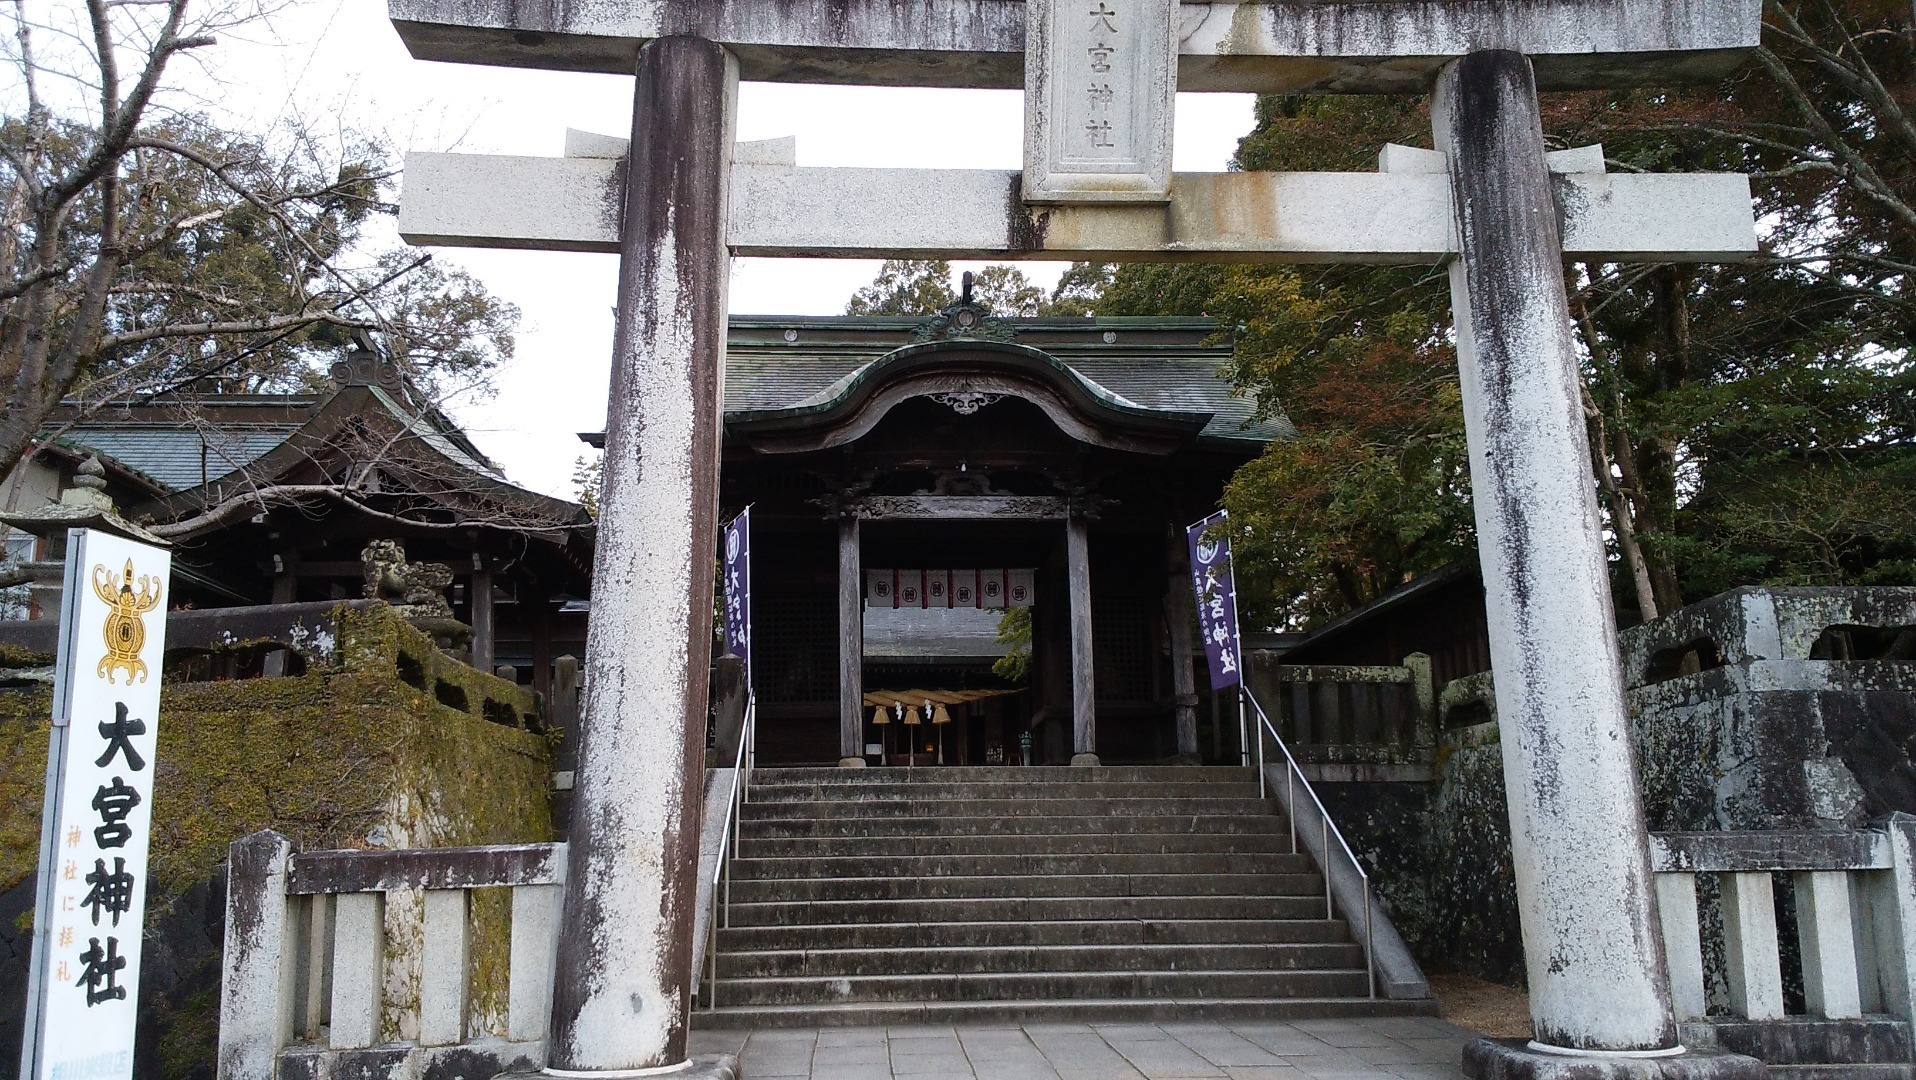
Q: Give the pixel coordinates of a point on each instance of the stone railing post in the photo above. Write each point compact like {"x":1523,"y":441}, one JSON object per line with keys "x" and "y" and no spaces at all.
{"x":256,"y":990}
{"x":1424,"y":691}
{"x":621,"y":987}
{"x":1597,"y":974}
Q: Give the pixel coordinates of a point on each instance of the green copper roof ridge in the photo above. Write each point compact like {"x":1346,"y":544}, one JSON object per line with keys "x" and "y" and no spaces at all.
{"x":833,"y":396}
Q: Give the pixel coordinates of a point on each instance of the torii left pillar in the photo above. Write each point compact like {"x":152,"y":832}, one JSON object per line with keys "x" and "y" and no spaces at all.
{"x":622,"y":984}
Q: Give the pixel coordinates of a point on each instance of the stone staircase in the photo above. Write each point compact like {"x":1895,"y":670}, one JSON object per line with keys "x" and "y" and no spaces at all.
{"x":948,"y":895}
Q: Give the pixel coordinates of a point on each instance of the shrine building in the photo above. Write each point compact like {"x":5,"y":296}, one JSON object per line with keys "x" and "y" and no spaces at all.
{"x":915,"y":487}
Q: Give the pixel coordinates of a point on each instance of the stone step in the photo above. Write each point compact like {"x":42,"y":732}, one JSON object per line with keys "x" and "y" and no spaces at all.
{"x":1019,"y":909}
{"x":1166,"y":843}
{"x":1050,"y":985}
{"x":1058,"y":932}
{"x":1020,"y":864}
{"x":1002,"y":809}
{"x":1007,"y":774}
{"x":996,"y":790}
{"x":1023,"y":825}
{"x":730,"y":1017}
{"x":1077,"y":886}
{"x":1030,"y":959}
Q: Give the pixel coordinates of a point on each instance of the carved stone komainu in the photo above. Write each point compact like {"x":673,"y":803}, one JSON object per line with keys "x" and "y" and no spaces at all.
{"x":415,"y":590}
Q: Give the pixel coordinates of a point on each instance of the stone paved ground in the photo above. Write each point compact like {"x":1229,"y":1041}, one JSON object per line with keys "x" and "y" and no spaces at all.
{"x":1405,"y":1048}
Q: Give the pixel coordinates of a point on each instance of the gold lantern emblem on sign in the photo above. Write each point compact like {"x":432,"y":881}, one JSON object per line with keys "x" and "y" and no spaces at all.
{"x":125,"y":630}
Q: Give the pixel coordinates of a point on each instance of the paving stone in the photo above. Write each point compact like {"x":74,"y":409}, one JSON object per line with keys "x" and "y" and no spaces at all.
{"x":851,"y":1037}
{"x":702,"y":1043}
{"x":1114,"y":1032}
{"x":1083,"y":1056}
{"x":1451,"y":1071}
{"x":772,"y":1064}
{"x":1437,"y":1051}
{"x":1183,"y":1050}
{"x":1165,"y":1058}
{"x":853,"y":1072}
{"x":1395,"y":1053}
{"x":1397,"y":1027}
{"x":921,"y":1031}
{"x":939,"y":1065}
{"x":917,"y":1047}
{"x":854,"y":1054}
{"x":1341,"y":1032}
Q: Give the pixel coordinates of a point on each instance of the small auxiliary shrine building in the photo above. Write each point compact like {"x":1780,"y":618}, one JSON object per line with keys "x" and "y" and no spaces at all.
{"x":968,"y":539}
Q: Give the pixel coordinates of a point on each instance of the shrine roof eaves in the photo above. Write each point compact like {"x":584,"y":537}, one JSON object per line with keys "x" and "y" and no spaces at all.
{"x":1171,"y":366}
{"x":1355,"y":46}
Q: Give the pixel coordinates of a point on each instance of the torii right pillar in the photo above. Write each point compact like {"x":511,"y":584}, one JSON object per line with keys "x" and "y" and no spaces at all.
{"x":1599,"y":987}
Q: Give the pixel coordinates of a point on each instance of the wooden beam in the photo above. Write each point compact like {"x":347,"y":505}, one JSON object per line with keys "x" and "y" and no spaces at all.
{"x":1253,"y":46}
{"x":570,"y":204}
{"x":961,"y":507}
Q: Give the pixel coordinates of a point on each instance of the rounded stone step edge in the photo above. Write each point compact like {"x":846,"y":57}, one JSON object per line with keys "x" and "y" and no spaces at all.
{"x":763,"y":1017}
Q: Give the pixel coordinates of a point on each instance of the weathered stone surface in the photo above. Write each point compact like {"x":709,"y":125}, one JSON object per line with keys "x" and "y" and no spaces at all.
{"x":1100,"y":90}
{"x":1578,"y":847}
{"x":1775,"y":623}
{"x":633,"y":846}
{"x":1511,"y":1059}
{"x":1392,"y":46}
{"x":570,"y":204}
{"x":1805,"y":1040}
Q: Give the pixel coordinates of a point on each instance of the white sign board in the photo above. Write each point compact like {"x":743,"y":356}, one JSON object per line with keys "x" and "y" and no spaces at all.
{"x":84,"y":991}
{"x":1100,"y":91}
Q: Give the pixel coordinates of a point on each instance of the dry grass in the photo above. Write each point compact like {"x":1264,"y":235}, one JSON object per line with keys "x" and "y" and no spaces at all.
{"x":1502,"y":1012}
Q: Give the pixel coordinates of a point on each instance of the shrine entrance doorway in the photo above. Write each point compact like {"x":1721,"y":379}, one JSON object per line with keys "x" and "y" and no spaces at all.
{"x":927,"y":492}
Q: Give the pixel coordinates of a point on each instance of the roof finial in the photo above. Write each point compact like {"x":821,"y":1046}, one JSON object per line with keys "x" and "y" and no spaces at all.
{"x":90,"y":474}
{"x":965,"y":297}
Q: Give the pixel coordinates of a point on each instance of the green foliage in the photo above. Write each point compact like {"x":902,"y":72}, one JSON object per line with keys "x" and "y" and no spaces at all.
{"x":1767,"y":404}
{"x":924,"y":287}
{"x":1005,"y":291}
{"x":1374,"y":488}
{"x":1014,"y":629}
{"x":1080,"y":289}
{"x":906,"y":287}
{"x":588,"y":482}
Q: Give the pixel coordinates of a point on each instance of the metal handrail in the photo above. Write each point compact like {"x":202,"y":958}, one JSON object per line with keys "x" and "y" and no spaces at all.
{"x":1292,"y":777}
{"x":742,"y":764}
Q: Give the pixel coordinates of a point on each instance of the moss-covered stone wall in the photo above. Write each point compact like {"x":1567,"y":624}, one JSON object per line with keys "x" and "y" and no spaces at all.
{"x":367,"y":753}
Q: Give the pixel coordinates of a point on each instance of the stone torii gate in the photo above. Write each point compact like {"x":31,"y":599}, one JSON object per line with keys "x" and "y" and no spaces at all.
{"x":1097,"y":184}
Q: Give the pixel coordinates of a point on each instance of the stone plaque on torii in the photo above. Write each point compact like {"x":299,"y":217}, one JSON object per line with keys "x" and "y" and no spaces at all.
{"x":678,"y":200}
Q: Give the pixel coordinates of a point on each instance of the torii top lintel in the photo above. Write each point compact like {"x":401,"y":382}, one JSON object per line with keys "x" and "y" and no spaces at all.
{"x":1352,"y":46}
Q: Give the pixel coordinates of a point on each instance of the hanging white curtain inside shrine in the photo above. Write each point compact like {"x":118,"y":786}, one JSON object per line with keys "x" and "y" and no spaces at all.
{"x":965,"y":588}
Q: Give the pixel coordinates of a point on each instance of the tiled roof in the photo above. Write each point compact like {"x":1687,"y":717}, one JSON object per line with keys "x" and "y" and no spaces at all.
{"x":1165,"y":364}
{"x":179,"y":458}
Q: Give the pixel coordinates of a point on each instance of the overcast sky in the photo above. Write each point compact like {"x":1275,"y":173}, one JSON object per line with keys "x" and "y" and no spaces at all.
{"x":339,"y":62}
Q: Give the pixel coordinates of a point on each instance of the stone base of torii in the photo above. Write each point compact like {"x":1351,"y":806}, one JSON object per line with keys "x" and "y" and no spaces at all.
{"x":1599,"y":986}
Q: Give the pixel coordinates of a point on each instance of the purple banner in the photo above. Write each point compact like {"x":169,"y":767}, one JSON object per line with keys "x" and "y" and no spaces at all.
{"x":738,"y":590}
{"x":1215,"y":587}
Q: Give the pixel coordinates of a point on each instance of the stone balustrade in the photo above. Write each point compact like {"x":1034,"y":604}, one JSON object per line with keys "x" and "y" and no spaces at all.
{"x":1350,"y":722}
{"x":311,"y":992}
{"x":1854,"y":897}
